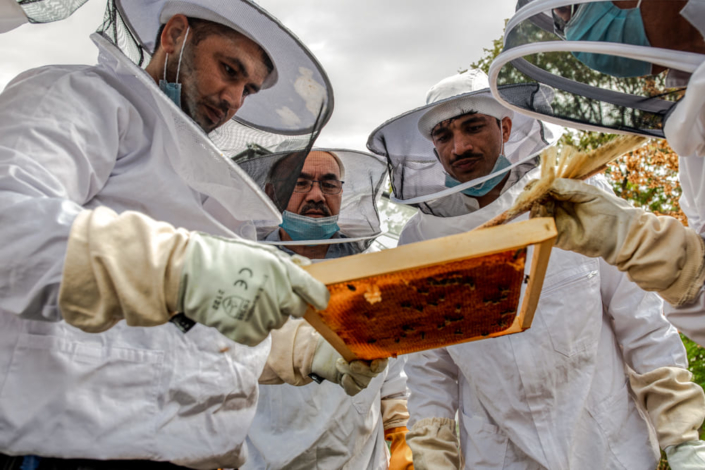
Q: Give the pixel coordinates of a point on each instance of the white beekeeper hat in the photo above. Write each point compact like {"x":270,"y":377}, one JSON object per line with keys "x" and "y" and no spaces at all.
{"x":599,"y":63}
{"x":472,"y":90}
{"x":417,"y":174}
{"x":293,"y":95}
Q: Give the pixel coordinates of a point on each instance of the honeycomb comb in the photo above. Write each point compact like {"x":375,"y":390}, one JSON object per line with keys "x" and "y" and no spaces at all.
{"x":434,"y":293}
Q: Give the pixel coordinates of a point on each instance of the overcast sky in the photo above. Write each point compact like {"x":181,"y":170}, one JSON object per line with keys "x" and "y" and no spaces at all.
{"x":381,"y":55}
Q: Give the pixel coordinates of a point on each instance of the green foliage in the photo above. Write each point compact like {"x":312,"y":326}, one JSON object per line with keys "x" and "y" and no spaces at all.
{"x":696,"y":358}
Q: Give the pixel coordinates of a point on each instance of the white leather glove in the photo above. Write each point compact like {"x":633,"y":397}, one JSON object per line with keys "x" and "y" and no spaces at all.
{"x":687,"y":456}
{"x":434,"y":444}
{"x":353,"y":377}
{"x":657,"y":253}
{"x":131,"y":267}
{"x":244,"y":289}
{"x":674,"y":403}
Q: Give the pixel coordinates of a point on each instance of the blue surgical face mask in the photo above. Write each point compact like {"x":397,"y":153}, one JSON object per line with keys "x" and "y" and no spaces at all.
{"x":173,"y":90}
{"x":300,"y":227}
{"x":604,"y":22}
{"x":487,"y":186}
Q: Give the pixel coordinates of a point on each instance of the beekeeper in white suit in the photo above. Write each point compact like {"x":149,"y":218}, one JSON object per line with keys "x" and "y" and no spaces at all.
{"x":657,"y":253}
{"x":332,"y":213}
{"x":555,"y":396}
{"x":116,"y":205}
{"x":629,"y":43}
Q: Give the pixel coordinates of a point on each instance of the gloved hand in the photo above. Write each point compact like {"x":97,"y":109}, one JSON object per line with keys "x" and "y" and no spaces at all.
{"x":401,"y":458}
{"x":686,"y":456}
{"x":674,"y":403}
{"x":657,"y":253}
{"x":434,"y":444}
{"x":244,"y":289}
{"x":353,"y":377}
{"x":131,"y":267}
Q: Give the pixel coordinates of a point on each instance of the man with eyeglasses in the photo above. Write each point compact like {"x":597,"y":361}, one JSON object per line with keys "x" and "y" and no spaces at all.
{"x":312,"y":212}
{"x":300,"y":424}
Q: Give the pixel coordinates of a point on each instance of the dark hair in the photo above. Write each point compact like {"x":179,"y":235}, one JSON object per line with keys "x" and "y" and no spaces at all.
{"x":201,"y":29}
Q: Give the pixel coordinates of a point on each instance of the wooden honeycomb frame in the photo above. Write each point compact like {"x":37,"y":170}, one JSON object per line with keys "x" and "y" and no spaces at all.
{"x":471,"y":246}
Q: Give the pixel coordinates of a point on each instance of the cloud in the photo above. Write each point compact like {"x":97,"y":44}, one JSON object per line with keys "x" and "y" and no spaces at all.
{"x":63,"y":42}
{"x":381,"y":56}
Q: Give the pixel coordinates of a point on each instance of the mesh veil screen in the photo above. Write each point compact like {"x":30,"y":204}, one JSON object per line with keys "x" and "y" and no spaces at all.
{"x":610,"y":99}
{"x":235,"y":141}
{"x":359,"y":175}
{"x":46,"y":11}
{"x":116,"y":30}
{"x":417,"y":175}
{"x":295,"y":99}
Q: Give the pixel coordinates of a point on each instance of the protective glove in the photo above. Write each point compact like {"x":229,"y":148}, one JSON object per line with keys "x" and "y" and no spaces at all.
{"x":401,"y":458}
{"x":674,"y":403}
{"x":244,"y":289}
{"x":131,"y":267}
{"x":434,"y":444}
{"x":657,"y":253}
{"x":353,"y":377}
{"x":687,"y":456}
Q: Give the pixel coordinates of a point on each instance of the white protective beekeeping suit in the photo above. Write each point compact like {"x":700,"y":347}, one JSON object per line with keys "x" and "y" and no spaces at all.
{"x":318,"y":425}
{"x":83,"y":137}
{"x":556,"y":396}
{"x":685,"y":131}
{"x":623,"y":93}
{"x":607,"y":75}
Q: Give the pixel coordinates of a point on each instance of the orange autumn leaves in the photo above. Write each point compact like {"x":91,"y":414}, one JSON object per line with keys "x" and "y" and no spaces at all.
{"x":648,"y":177}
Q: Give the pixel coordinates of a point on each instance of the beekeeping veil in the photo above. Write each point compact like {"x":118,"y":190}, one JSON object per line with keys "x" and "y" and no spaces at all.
{"x":417,"y":175}
{"x":603,"y":63}
{"x":14,"y":13}
{"x":362,"y":176}
{"x":295,"y":102}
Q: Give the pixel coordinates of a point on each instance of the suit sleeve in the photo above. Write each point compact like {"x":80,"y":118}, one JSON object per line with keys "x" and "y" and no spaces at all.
{"x":60,"y":135}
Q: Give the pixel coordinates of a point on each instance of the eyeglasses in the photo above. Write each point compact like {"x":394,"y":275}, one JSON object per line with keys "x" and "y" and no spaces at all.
{"x":327,"y":186}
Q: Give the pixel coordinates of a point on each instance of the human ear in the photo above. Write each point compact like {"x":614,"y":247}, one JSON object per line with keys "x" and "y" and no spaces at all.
{"x":174,"y":33}
{"x":506,"y":129}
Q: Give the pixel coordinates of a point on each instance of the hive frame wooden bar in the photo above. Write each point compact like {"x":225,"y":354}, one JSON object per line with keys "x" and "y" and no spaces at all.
{"x":540,"y":232}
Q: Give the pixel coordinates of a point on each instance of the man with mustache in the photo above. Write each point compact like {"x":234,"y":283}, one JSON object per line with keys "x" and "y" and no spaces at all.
{"x":317,"y":424}
{"x":555,"y":396}
{"x":116,"y":205}
{"x":313,"y":209}
{"x":636,"y":39}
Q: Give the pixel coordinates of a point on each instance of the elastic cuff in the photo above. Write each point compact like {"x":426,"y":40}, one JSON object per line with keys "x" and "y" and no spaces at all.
{"x":394,"y":413}
{"x":675,"y":405}
{"x":689,"y":281}
{"x":293,"y":348}
{"x":435,"y":424}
